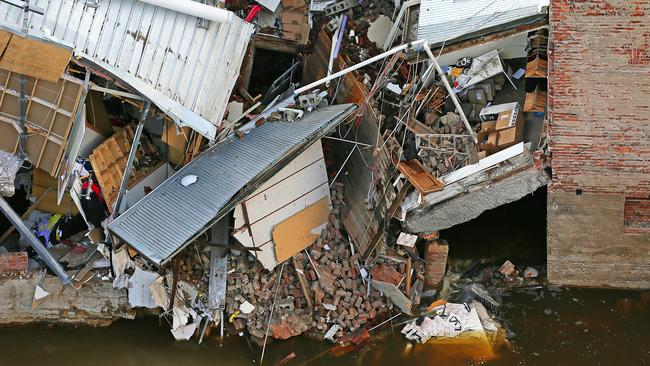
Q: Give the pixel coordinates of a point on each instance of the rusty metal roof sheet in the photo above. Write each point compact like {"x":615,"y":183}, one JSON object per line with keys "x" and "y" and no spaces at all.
{"x":446,"y":20}
{"x":171,"y":216}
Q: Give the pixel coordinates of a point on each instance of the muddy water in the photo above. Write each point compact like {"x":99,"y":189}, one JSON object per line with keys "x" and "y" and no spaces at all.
{"x":547,"y":326}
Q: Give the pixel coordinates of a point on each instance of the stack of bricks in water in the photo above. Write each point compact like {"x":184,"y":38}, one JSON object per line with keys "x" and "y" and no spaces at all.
{"x":336,"y":289}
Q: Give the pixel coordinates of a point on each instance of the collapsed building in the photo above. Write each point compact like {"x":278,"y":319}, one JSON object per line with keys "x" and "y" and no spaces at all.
{"x":175,"y":163}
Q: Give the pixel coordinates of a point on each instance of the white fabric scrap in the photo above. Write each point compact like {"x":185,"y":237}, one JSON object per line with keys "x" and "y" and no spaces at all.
{"x":394,"y":88}
{"x":39,"y":293}
{"x":180,"y":317}
{"x":188,"y":180}
{"x":139,"y":293}
{"x":407,"y":240}
{"x":451,"y":321}
{"x":121,"y":261}
{"x":185,"y":332}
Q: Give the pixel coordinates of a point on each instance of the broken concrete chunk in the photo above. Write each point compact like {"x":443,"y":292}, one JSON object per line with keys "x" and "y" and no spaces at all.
{"x":531,"y":272}
{"x":407,"y":240}
{"x":246,"y":307}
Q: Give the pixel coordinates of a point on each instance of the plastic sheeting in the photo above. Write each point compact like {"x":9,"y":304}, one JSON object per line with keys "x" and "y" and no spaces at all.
{"x":450,"y":321}
{"x":9,"y":165}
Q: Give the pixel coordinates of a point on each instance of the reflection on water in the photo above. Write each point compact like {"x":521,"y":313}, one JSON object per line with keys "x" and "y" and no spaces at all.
{"x":546,"y":326}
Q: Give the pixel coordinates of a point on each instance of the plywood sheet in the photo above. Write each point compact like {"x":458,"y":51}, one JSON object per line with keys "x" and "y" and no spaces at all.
{"x":41,"y":183}
{"x":176,"y":142}
{"x":295,"y":233}
{"x":109,"y":161}
{"x":34,"y":58}
{"x":51,"y":107}
{"x":298,"y":185}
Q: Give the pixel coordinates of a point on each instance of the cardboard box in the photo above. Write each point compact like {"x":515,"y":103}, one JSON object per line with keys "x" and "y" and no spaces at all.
{"x":509,"y":136}
{"x":488,"y":126}
{"x":493,"y":137}
{"x":488,"y":141}
{"x":507,"y":120}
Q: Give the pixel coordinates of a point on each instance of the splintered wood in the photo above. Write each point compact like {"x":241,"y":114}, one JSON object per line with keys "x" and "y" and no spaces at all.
{"x":536,"y":68}
{"x":50,"y":113}
{"x":109,"y":161}
{"x":420,"y":178}
{"x":535,"y":101}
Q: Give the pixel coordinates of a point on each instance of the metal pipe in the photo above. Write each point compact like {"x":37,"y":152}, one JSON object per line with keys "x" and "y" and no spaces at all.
{"x":341,"y":34}
{"x":194,"y":8}
{"x":452,"y":95}
{"x":118,"y":93}
{"x":360,"y":65}
{"x":348,"y":141}
{"x":398,"y":20}
{"x":52,"y":263}
{"x":343,"y":165}
{"x":330,"y":63}
{"x":129,"y":162}
{"x":268,"y":324}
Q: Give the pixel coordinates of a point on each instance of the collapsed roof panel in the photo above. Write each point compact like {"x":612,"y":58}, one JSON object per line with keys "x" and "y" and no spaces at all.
{"x":447,"y":20}
{"x":187,"y":67}
{"x":170,"y":217}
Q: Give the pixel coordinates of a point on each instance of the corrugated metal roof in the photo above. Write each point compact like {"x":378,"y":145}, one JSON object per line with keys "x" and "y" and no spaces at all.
{"x":171,"y":216}
{"x":446,"y":20}
{"x":188,"y":71}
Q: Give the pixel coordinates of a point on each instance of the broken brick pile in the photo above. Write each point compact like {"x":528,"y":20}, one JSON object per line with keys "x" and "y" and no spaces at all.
{"x":337,"y":291}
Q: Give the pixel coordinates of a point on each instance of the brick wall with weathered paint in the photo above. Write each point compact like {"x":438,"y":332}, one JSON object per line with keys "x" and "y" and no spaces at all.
{"x":599,"y":95}
{"x":599,"y":137}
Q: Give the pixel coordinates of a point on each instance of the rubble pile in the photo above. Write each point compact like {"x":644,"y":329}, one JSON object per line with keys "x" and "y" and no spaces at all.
{"x":337,"y":288}
{"x":90,"y":210}
{"x":356,"y":42}
{"x":447,"y":148}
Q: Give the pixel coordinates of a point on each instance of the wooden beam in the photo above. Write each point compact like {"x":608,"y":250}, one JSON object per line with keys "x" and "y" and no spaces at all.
{"x":297,"y":266}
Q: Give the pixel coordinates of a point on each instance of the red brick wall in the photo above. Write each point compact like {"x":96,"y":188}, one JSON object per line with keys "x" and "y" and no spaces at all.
{"x":599,"y":96}
{"x":599,"y":137}
{"x":636,"y":215}
{"x":13,"y":262}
